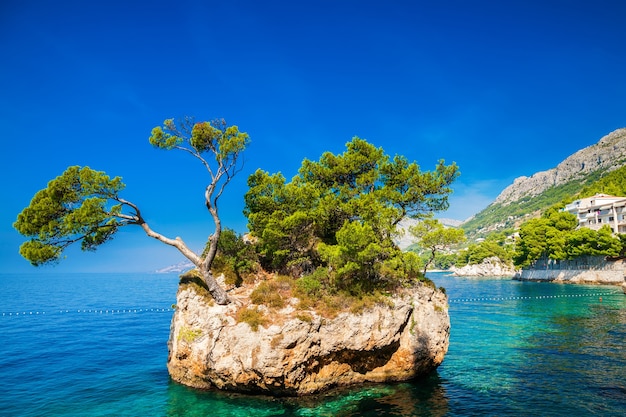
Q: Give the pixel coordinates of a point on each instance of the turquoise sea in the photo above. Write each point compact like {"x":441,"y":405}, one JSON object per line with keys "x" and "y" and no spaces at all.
{"x":96,"y":345}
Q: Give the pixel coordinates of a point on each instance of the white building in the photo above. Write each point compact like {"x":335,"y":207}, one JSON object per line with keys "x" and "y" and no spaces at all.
{"x":594,"y":212}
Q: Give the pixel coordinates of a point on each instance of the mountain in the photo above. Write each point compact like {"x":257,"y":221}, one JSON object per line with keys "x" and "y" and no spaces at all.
{"x":527,"y":196}
{"x":608,"y":154}
{"x":179,"y":267}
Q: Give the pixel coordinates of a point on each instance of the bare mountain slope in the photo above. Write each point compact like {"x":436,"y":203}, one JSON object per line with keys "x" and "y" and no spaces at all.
{"x":528,"y":196}
{"x":608,"y":154}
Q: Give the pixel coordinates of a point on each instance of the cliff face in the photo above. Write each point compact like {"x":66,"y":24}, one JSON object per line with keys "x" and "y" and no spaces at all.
{"x":608,"y":154}
{"x":303,"y":353}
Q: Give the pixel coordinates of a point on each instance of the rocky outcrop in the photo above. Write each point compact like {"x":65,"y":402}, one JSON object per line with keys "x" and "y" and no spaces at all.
{"x":608,"y":154}
{"x":490,"y":267}
{"x":300,"y":352}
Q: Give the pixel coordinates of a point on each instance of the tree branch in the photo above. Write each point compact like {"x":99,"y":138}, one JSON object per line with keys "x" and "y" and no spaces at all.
{"x":177,"y":242}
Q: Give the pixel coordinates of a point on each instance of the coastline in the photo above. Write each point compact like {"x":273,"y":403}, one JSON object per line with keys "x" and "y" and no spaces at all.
{"x":589,"y":270}
{"x":572,"y":277}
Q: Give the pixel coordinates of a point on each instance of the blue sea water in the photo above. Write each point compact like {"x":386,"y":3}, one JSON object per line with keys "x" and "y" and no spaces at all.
{"x":96,"y":345}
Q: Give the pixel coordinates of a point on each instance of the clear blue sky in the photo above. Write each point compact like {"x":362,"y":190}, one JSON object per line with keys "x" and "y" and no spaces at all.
{"x":503,"y":88}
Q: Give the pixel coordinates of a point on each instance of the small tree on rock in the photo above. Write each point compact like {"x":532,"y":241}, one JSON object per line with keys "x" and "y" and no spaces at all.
{"x":434,"y":238}
{"x":84,"y":205}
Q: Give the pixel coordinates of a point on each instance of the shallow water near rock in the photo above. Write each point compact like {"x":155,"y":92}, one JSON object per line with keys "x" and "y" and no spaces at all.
{"x":96,"y":345}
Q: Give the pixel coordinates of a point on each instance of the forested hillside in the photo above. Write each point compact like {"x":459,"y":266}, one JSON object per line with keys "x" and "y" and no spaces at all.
{"x":499,"y":216}
{"x":613,"y":183}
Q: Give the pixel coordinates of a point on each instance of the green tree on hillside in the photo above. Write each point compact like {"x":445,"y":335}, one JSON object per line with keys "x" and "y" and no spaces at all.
{"x":340,"y":214}
{"x":554,"y":236}
{"x":585,"y":241}
{"x":545,"y":237}
{"x":509,"y":214}
{"x":444,"y":260}
{"x":613,"y":183}
{"x":533,"y":241}
{"x":84,"y":205}
{"x":476,"y":253}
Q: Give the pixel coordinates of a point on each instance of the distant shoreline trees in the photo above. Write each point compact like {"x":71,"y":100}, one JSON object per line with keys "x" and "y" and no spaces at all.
{"x":434,"y":238}
{"x":555,"y":236}
{"x":494,"y":245}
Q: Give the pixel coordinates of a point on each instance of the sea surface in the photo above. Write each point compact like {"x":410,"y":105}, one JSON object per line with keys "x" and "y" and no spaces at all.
{"x":96,"y":345}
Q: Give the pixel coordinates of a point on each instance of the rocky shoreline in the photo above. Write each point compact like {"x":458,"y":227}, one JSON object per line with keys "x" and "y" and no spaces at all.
{"x":589,"y":270}
{"x":572,"y":276}
{"x":490,"y":267}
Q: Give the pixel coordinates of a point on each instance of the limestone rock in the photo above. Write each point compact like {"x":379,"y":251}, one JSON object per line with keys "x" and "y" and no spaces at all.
{"x":490,"y":267}
{"x":301,"y":352}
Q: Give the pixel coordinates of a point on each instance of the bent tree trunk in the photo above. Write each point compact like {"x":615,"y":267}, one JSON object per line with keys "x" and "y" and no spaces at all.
{"x":203,"y":265}
{"x":217,"y":292}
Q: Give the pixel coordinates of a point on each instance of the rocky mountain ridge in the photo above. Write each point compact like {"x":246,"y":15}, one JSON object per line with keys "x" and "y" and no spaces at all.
{"x":529,"y":196}
{"x":608,"y":154}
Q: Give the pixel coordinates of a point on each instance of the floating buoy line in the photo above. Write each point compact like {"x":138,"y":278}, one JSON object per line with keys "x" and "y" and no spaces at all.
{"x":97,"y":311}
{"x":537,"y":297}
{"x":112,"y":311}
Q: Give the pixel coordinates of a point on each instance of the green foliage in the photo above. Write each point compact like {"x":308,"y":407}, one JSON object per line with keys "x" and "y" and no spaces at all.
{"x":312,"y":285}
{"x":355,"y":258}
{"x":554,"y":236}
{"x":224,"y":142}
{"x":533,"y":242}
{"x":612,"y":183}
{"x":79,"y":205}
{"x":189,"y":335}
{"x":279,"y":215}
{"x":545,"y":237}
{"x":476,"y":253}
{"x":444,"y":260}
{"x":405,"y":267}
{"x":433,"y":237}
{"x":235,"y":258}
{"x":253,"y":317}
{"x":340,"y":214}
{"x":585,"y":241}
{"x":268,"y":293}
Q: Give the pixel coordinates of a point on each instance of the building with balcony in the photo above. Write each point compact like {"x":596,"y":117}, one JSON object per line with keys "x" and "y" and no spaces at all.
{"x":599,"y":210}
